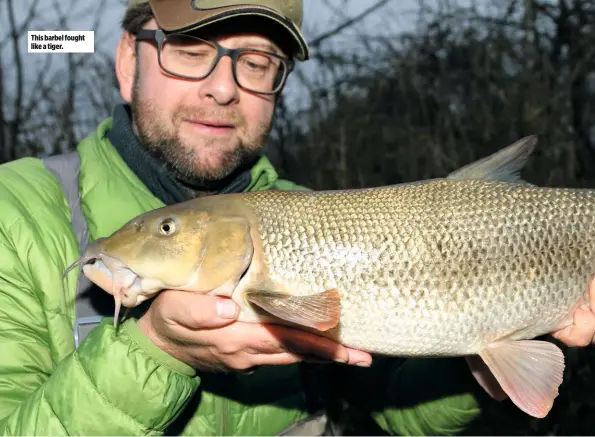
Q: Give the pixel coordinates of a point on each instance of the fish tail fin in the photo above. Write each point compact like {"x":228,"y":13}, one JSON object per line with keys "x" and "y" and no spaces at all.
{"x":529,"y":372}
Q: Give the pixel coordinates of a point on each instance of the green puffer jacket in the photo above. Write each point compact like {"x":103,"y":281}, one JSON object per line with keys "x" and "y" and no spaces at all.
{"x":124,"y":385}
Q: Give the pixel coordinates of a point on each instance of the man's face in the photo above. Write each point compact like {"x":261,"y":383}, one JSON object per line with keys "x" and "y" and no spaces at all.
{"x":203,"y":129}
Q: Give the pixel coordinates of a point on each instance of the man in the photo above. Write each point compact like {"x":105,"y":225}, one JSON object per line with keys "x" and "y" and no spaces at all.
{"x":194,"y":126}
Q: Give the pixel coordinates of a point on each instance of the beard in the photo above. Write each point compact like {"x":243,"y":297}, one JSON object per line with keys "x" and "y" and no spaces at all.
{"x":209,"y":162}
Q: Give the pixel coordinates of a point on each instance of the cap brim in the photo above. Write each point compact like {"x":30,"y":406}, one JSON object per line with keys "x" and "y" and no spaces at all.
{"x":177,"y":16}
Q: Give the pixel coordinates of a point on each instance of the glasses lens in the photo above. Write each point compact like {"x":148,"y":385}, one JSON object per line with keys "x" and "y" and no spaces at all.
{"x":260,"y":72}
{"x":187,"y":56}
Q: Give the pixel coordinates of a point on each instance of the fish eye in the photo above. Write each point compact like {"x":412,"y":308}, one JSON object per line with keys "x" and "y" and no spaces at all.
{"x":167,"y":226}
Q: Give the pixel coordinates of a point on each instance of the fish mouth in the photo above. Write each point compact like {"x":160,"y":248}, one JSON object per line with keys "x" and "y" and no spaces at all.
{"x":116,"y":278}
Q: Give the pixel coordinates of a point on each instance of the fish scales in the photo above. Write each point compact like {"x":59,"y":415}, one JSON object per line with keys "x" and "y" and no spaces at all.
{"x":477,"y":264}
{"x":435,"y":268}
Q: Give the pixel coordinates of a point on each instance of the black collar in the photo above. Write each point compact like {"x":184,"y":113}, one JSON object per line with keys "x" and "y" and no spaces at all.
{"x":154,"y":173}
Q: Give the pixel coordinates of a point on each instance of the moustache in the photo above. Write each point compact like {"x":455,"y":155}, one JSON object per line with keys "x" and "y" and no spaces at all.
{"x":220,"y":115}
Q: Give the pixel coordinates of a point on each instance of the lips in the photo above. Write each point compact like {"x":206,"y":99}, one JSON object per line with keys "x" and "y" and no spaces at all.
{"x":212,"y":123}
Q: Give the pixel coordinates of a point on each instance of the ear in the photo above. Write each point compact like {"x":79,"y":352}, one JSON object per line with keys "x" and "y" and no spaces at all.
{"x":125,"y":64}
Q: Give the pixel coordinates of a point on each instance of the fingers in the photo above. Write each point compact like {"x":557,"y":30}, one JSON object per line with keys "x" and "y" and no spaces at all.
{"x":581,"y":332}
{"x":268,"y":340}
{"x":584,"y":321}
{"x":246,"y":363}
{"x":591,"y":303}
{"x":277,"y":338}
{"x":280,"y":359}
{"x":359,"y":358}
{"x":197,"y":311}
{"x":210,"y":321}
{"x":272,"y":351}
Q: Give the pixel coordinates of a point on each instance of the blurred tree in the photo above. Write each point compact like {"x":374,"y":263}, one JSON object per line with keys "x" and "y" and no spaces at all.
{"x":50,"y":101}
{"x":465,"y":84}
{"x":468,"y":81}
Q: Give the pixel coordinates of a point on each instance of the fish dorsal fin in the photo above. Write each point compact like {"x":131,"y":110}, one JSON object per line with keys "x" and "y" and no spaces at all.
{"x":504,"y":165}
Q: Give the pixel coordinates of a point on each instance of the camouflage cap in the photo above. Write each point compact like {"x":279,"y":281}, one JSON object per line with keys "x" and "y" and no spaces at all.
{"x":187,"y":15}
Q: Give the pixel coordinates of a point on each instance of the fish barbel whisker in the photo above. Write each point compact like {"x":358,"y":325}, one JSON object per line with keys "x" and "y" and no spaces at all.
{"x":92,"y":252}
{"x":123,"y":279}
{"x":117,"y":293}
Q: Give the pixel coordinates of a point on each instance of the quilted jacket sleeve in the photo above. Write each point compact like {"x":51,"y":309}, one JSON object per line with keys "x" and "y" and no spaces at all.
{"x":114,"y":384}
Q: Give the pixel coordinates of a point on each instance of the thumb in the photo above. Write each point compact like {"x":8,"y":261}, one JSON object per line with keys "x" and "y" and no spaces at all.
{"x":199,"y":311}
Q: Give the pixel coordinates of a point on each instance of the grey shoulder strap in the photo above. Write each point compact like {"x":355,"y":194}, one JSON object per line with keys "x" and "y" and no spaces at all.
{"x":66,"y":169}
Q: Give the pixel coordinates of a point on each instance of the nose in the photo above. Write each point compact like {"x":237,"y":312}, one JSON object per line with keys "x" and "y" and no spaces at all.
{"x":220,"y":84}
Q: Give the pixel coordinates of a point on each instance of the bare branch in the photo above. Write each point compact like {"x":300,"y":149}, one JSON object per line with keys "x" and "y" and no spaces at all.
{"x":348,"y":23}
{"x":31,"y":15}
{"x":18,"y":102}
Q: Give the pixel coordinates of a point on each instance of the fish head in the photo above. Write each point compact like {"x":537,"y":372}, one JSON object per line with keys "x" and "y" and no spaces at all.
{"x":182,"y":247}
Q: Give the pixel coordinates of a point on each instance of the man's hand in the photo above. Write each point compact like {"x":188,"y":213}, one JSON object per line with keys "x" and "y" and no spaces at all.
{"x":582,"y":332}
{"x":201,"y":331}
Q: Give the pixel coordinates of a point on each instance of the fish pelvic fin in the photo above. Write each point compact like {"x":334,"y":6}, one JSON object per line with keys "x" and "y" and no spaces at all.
{"x":504,"y":165}
{"x":529,"y":372}
{"x":320,"y":311}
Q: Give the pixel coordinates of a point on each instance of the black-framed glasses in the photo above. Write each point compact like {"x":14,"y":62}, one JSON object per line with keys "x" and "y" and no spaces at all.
{"x":190,"y":57}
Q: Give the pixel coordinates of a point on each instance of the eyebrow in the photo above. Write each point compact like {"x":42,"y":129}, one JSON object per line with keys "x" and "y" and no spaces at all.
{"x":264,"y":46}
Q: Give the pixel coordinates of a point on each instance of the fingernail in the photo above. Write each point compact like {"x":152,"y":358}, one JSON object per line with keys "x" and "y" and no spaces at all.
{"x":340,"y":360}
{"x":226,"y":308}
{"x":363,"y":364}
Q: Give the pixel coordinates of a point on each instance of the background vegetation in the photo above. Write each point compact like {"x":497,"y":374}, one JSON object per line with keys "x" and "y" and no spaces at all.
{"x":391,"y":107}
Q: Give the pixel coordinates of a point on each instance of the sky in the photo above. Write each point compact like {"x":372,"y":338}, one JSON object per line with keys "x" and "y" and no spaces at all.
{"x":319,"y":17}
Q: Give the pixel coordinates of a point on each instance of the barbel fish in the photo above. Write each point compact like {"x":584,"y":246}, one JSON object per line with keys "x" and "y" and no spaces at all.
{"x":479,"y":263}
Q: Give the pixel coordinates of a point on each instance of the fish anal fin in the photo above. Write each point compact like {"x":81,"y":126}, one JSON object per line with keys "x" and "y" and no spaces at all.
{"x":504,"y":165}
{"x":529,"y":372}
{"x":485,"y":378}
{"x":320,"y":311}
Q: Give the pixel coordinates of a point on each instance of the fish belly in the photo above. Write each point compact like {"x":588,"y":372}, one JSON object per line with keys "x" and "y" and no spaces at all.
{"x":438,"y":268}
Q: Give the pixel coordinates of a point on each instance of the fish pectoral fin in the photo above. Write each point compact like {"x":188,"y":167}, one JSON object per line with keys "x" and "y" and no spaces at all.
{"x":529,"y":371}
{"x":320,"y":311}
{"x":504,"y":165}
